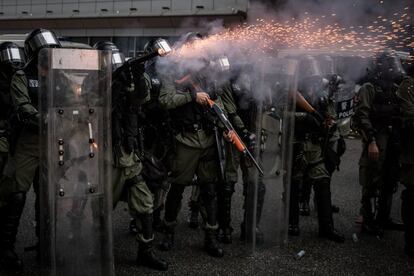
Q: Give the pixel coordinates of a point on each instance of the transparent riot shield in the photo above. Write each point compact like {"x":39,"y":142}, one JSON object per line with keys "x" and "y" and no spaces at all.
{"x":75,"y":195}
{"x":344,"y":104}
{"x":350,"y":68}
{"x":267,"y":195}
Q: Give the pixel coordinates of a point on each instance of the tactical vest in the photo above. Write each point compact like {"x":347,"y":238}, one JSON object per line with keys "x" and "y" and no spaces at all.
{"x":191,"y":115}
{"x":155,"y":83}
{"x":246,"y":106}
{"x":319,"y":101}
{"x":33,"y":84}
{"x":5,"y":102}
{"x":124,"y":118}
{"x":385,"y":110}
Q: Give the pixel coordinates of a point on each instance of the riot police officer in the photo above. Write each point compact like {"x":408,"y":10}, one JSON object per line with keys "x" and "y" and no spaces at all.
{"x":335,"y":144}
{"x":159,"y":147}
{"x":195,"y":154}
{"x":242,"y":108}
{"x":376,"y":118}
{"x":406,"y":102}
{"x":130,"y":89}
{"x":313,"y":117}
{"x":21,"y":169}
{"x":11,"y":60}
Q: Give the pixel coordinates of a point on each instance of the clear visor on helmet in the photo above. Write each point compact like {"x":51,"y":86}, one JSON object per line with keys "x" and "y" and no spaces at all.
{"x":310,"y":68}
{"x":43,"y":39}
{"x":117,"y":58}
{"x":327,"y":66}
{"x":223,"y":64}
{"x":11,"y":55}
{"x":162,"y":47}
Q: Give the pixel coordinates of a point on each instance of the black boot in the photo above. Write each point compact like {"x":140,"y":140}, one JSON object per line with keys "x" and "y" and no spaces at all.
{"x":167,"y":242}
{"x":146,"y":257}
{"x":225,"y":235}
{"x":261,"y":192}
{"x":157,"y":222}
{"x":172,"y":207}
{"x":208,"y":196}
{"x":304,"y":209}
{"x":324,"y":207}
{"x":369,"y":224}
{"x":294,"y":208}
{"x":194,"y":214}
{"x":133,"y":226}
{"x":224,"y":215}
{"x":335,"y":209}
{"x":10,"y":220}
{"x":293,"y":230}
{"x":305,"y":191}
{"x":384,"y":219}
{"x":211,"y":244}
{"x":407,"y":214}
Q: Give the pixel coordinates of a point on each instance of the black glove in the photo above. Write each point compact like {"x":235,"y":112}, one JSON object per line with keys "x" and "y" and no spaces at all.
{"x":308,"y":120}
{"x":249,"y":139}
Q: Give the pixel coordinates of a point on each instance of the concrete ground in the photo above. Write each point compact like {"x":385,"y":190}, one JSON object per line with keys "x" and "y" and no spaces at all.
{"x":366,"y":256}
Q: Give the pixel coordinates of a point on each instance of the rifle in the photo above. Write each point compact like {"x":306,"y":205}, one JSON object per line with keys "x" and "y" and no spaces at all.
{"x":303,"y":103}
{"x":235,"y":138}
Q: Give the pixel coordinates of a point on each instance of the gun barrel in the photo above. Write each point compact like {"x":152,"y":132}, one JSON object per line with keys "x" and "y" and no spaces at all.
{"x":237,"y":141}
{"x":255,"y":163}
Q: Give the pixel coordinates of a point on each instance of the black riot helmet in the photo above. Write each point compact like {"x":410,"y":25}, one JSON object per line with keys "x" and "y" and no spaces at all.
{"x":117,"y":57}
{"x":157,"y":45}
{"x":188,"y":38}
{"x":327,"y":65}
{"x":192,"y":36}
{"x":39,"y":39}
{"x":149,"y":46}
{"x":388,"y":67}
{"x":310,"y":74}
{"x":11,"y":54}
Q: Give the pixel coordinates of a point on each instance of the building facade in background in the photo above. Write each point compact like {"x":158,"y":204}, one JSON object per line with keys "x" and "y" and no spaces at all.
{"x":129,"y":24}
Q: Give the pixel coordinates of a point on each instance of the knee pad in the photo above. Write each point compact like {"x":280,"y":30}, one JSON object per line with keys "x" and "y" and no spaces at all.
{"x":17,"y":199}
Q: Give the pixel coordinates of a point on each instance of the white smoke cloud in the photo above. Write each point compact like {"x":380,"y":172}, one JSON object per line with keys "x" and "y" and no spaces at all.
{"x":295,"y":28}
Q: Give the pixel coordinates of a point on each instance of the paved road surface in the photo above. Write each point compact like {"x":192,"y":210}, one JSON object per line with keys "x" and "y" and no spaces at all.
{"x":368,"y":256}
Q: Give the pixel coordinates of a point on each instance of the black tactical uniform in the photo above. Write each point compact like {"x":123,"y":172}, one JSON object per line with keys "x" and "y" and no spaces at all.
{"x":243,"y":112}
{"x":308,"y":161}
{"x":22,"y":167}
{"x":130,"y":89}
{"x":11,"y":59}
{"x":377,"y":119}
{"x":195,"y":153}
{"x":158,"y":147}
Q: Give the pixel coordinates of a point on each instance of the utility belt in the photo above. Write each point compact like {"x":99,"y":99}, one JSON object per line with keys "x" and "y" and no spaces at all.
{"x":408,"y":124}
{"x":195,"y":127}
{"x":314,"y":137}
